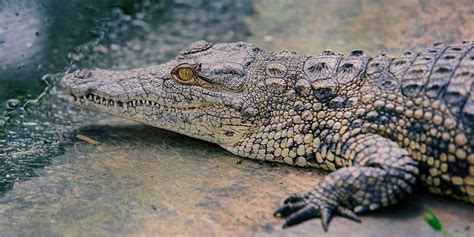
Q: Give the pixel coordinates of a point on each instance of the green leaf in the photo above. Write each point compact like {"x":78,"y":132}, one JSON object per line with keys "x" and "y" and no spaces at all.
{"x":432,"y":220}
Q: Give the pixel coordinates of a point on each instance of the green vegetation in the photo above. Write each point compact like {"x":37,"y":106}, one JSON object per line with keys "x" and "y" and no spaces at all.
{"x":433,"y":221}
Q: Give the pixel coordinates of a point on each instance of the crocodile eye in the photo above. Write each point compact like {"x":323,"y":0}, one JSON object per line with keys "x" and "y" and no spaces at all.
{"x":185,"y":73}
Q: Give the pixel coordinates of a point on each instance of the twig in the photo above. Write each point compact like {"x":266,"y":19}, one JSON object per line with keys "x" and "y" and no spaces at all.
{"x":87,"y":139}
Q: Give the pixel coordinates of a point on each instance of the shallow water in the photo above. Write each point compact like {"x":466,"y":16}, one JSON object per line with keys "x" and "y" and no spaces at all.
{"x":144,"y":181}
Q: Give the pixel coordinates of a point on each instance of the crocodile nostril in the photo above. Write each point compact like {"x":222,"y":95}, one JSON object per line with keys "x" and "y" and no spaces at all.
{"x":82,"y":74}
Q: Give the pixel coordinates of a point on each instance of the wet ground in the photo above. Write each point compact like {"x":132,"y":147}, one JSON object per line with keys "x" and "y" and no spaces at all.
{"x":145,"y":181}
{"x":149,"y":182}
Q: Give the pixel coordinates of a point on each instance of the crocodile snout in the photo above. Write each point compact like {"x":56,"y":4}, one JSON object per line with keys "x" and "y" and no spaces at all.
{"x":76,"y":78}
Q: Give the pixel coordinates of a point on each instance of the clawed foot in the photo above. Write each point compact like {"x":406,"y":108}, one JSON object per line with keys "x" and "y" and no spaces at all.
{"x":298,"y":208}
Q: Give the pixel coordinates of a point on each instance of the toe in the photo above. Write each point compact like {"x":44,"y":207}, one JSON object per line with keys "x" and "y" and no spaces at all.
{"x":326,"y":217}
{"x":347,"y":213}
{"x":304,"y":214}
{"x":288,"y":208}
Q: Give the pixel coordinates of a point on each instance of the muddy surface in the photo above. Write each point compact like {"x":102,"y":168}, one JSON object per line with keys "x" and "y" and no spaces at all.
{"x":143,"y":181}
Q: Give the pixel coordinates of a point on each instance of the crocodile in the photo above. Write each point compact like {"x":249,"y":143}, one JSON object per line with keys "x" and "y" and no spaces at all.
{"x":380,"y":126}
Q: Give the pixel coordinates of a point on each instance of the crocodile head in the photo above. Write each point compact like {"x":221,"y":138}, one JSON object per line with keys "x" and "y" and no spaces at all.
{"x":205,"y":92}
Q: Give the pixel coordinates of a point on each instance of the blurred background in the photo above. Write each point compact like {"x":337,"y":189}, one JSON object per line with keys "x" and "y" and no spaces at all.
{"x":42,"y":39}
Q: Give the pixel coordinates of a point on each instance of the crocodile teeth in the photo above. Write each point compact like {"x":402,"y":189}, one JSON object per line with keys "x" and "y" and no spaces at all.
{"x":113,"y":104}
{"x":71,"y":99}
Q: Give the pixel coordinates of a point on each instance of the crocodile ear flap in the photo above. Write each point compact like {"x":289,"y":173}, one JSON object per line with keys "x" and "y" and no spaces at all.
{"x":196,"y":47}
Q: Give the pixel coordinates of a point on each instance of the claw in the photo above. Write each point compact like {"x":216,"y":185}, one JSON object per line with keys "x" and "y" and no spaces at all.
{"x":326,"y":217}
{"x":304,"y":214}
{"x":288,"y":208}
{"x":347,"y":213}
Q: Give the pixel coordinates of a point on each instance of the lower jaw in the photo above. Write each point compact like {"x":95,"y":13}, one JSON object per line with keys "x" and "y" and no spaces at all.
{"x":151,"y":113}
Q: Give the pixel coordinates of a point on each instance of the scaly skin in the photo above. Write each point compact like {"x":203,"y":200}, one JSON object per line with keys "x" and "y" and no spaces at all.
{"x":379,"y":125}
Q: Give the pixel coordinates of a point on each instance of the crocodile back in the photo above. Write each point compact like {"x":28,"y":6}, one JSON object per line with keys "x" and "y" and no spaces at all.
{"x":439,"y":72}
{"x":435,"y":91}
{"x":444,"y":72}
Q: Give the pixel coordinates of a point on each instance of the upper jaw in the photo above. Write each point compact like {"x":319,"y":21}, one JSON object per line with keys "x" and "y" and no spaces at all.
{"x":114,"y":91}
{"x":119,"y":88}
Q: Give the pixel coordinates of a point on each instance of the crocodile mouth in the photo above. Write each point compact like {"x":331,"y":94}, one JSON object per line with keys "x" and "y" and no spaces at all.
{"x":104,"y":103}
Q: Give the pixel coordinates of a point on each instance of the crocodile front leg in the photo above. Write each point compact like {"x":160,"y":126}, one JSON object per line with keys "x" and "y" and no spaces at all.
{"x":381,"y":174}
